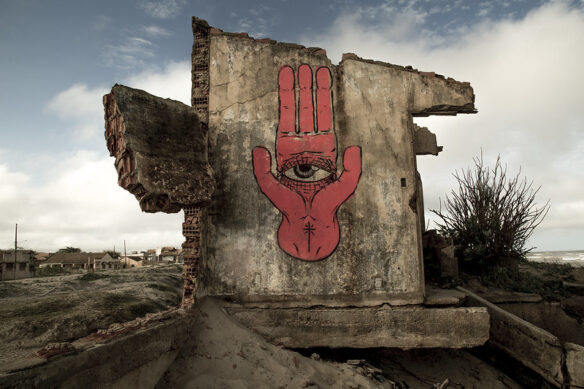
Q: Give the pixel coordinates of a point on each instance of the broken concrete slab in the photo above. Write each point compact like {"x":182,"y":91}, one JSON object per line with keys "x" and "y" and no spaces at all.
{"x":439,"y":251}
{"x":499,"y":296}
{"x":425,"y":141}
{"x":160,"y":150}
{"x":420,"y":368}
{"x":135,"y":355}
{"x":443,"y":297}
{"x":384,"y":326}
{"x":535,"y":348}
{"x":575,"y":364}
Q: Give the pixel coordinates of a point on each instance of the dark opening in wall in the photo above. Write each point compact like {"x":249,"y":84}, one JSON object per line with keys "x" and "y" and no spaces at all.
{"x":403,"y":182}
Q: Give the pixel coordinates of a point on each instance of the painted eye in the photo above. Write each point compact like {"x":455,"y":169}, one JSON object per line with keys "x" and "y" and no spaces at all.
{"x":306,"y":172}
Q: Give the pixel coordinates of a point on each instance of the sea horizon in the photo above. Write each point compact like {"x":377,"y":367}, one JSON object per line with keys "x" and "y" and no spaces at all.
{"x":571,"y":257}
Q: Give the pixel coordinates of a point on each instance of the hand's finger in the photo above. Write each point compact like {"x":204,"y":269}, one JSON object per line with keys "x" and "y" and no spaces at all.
{"x":305,"y":109}
{"x":324,"y":112}
{"x":340,"y":190}
{"x":283,"y":198}
{"x":287,"y":100}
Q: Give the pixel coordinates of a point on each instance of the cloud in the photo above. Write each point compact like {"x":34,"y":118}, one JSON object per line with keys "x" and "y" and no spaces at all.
{"x":256,"y":21}
{"x":129,"y":54}
{"x":174,"y":81}
{"x":74,"y":200}
{"x":163,"y":9}
{"x":135,"y":49}
{"x":80,"y":107}
{"x":102,"y":22}
{"x":156,"y":31}
{"x":525,"y":74}
{"x":80,"y":206}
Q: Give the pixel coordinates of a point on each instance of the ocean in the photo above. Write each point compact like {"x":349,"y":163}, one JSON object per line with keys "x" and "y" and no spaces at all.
{"x":574,"y":258}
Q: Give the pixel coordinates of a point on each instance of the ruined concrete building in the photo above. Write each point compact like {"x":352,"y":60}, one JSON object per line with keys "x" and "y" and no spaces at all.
{"x":303,"y":221}
{"x":22,"y":267}
{"x":298,"y":182}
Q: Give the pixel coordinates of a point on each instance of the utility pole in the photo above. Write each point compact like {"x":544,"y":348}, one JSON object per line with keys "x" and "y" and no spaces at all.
{"x":15,"y":247}
{"x":125,"y":256}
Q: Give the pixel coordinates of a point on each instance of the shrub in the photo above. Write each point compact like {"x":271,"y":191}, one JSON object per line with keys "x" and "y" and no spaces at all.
{"x":69,"y":249}
{"x":92,"y":277}
{"x":490,"y":217}
{"x":50,"y":271}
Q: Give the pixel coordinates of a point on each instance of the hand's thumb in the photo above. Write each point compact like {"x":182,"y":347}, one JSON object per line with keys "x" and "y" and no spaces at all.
{"x":352,"y":161}
{"x":262,"y":161}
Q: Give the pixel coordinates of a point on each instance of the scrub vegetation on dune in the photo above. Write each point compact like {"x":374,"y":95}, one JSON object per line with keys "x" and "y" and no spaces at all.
{"x":38,"y":311}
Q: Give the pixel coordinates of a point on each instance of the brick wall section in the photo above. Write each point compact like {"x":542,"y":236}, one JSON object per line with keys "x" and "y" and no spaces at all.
{"x":200,"y":70}
{"x":125,"y":163}
{"x":200,"y":101}
{"x":191,"y":253}
{"x":160,"y":150}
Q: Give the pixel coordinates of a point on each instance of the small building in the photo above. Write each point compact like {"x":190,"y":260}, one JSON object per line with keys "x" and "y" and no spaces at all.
{"x":150,"y":256}
{"x":82,"y":261}
{"x":40,"y":257}
{"x":132,"y":261}
{"x":106,"y":262}
{"x":171,"y":255}
{"x":23,"y":267}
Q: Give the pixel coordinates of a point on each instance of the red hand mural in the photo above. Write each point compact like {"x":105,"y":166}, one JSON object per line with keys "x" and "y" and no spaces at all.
{"x":307,"y":191}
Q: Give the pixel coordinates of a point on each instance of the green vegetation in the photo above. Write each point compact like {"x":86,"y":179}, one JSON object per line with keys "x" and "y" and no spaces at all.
{"x":490,"y":217}
{"x":563,"y":270}
{"x":41,"y":310}
{"x":113,"y":254}
{"x":7,"y":289}
{"x":92,"y":277}
{"x":544,"y":279}
{"x":69,"y":249}
{"x":162,"y":287}
{"x":524,"y":282}
{"x":50,"y":271}
{"x":125,"y":307}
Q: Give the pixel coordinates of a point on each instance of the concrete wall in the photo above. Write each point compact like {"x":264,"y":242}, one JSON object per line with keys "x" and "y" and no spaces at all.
{"x":370,"y":327}
{"x":551,"y":317}
{"x":132,"y":358}
{"x":561,"y":364}
{"x":379,"y":256}
{"x":24,"y":266}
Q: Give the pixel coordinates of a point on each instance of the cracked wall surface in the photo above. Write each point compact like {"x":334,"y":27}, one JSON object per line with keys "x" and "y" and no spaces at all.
{"x":379,"y":256}
{"x":174,"y":157}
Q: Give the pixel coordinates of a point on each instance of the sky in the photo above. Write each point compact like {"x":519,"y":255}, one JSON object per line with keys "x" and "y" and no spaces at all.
{"x":58,"y":58}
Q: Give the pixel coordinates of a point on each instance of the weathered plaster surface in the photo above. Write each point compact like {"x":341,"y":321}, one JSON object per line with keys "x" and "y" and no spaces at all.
{"x":379,"y":255}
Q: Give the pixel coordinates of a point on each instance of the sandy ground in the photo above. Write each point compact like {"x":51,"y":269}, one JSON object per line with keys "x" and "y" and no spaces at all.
{"x":224,"y":354}
{"x":38,"y":311}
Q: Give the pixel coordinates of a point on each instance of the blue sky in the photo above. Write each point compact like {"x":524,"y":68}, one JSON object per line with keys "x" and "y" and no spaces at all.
{"x":58,"y":58}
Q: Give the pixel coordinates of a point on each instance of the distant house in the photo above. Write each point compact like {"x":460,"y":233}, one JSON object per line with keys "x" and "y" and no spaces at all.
{"x":151,"y":256}
{"x":41,"y":257}
{"x":107,"y":262}
{"x":132,"y":261}
{"x":23,"y":267}
{"x":82,"y":261}
{"x":170,"y":254}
